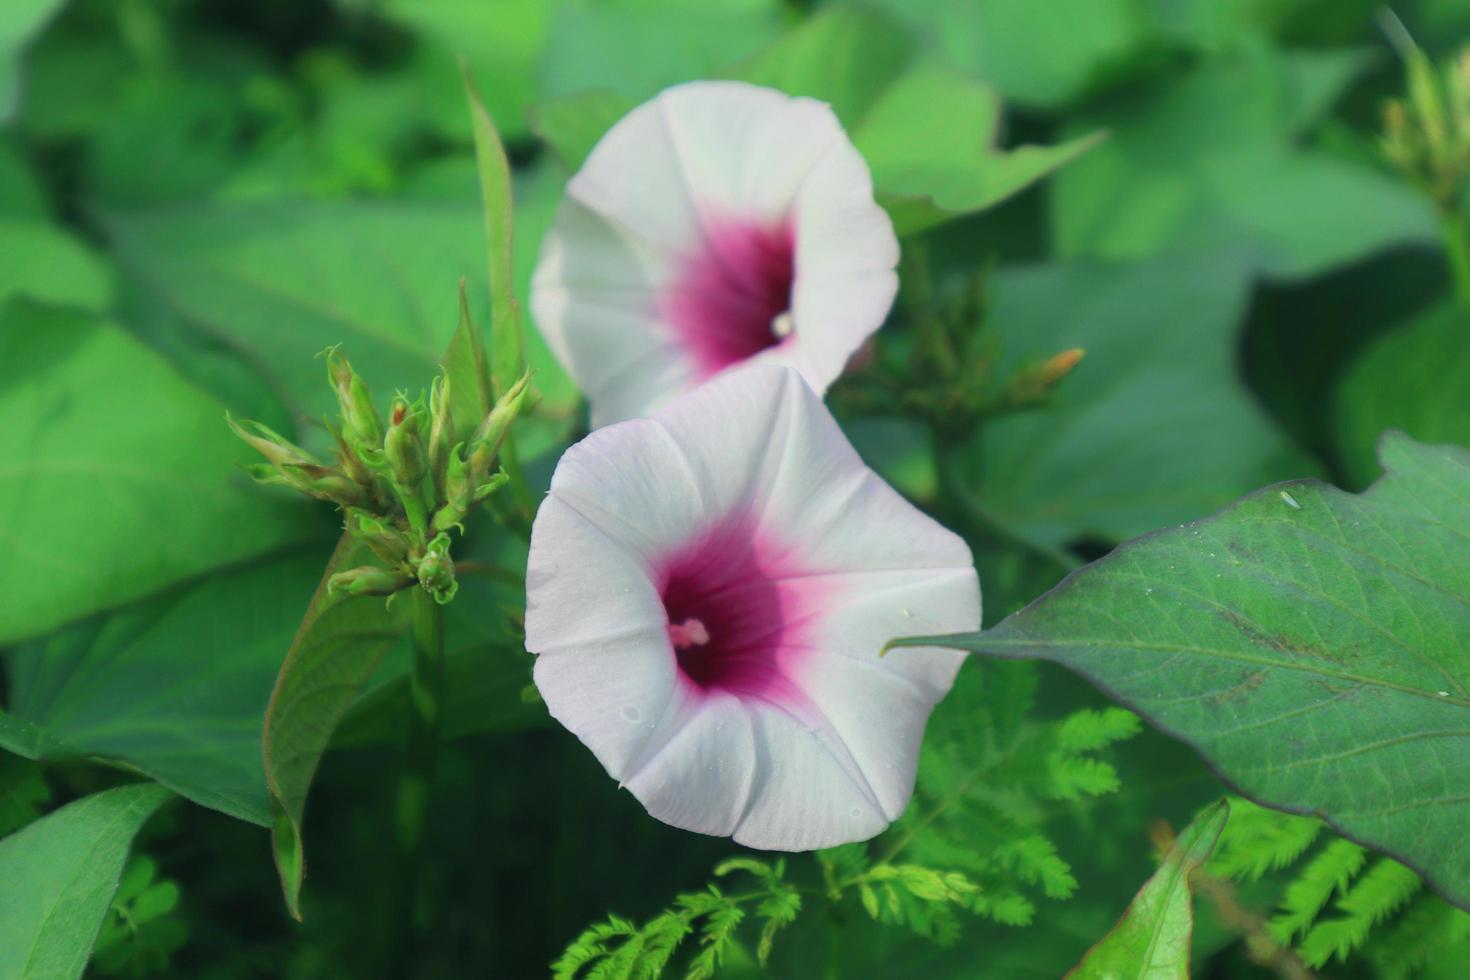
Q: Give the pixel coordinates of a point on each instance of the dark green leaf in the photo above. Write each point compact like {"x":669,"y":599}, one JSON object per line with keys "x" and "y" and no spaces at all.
{"x":338,"y":646}
{"x":119,"y":477}
{"x":174,"y":687}
{"x":20,"y":22}
{"x":1213,"y":160}
{"x":1153,"y":427}
{"x":60,"y":874}
{"x":1308,"y":642}
{"x":1152,"y":937}
{"x":1416,"y":379}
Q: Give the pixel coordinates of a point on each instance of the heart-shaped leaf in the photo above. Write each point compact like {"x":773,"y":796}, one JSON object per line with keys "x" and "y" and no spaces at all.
{"x":1310,"y":644}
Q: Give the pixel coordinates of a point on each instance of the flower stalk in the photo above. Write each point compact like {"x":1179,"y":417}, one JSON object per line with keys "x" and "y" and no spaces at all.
{"x":401,"y":486}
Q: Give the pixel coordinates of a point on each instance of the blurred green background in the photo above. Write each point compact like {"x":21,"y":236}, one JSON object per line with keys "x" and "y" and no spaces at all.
{"x":224,"y":188}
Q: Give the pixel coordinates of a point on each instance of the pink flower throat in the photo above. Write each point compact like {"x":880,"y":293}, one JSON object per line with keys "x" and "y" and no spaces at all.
{"x":734,"y":617}
{"x":732,"y":298}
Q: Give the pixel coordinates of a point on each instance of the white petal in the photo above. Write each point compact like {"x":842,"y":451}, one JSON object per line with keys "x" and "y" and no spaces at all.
{"x":804,"y":798}
{"x":671,"y":204}
{"x":699,"y":773}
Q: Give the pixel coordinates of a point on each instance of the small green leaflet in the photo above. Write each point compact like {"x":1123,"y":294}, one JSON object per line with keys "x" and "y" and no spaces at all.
{"x":60,"y":874}
{"x":1152,"y":938}
{"x":1309,"y":643}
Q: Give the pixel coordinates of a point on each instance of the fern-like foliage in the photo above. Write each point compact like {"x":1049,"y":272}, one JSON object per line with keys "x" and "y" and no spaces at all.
{"x":972,"y":844}
{"x":616,"y":949}
{"x":1341,"y":903}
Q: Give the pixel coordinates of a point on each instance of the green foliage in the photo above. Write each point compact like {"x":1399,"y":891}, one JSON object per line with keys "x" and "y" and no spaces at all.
{"x":619,"y":950}
{"x":23,"y":791}
{"x":1153,"y":421}
{"x":89,"y":409}
{"x":174,"y":687}
{"x":1213,"y":157}
{"x":860,"y":63}
{"x":60,"y":875}
{"x":1416,"y":379}
{"x":141,"y":934}
{"x":1285,"y":636}
{"x":337,"y":648}
{"x":973,"y":843}
{"x":1341,"y":903}
{"x":1153,"y":937}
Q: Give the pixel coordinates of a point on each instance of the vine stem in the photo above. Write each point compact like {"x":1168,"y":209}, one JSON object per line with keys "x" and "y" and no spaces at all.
{"x":411,"y":802}
{"x":1456,"y":231}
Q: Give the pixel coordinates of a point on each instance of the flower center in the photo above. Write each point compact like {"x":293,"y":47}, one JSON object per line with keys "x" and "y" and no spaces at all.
{"x":727,"y":619}
{"x":732,"y":299}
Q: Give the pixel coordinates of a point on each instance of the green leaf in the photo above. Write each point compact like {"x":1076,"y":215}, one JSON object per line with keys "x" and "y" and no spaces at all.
{"x":174,"y":687}
{"x":956,"y":168}
{"x":1152,"y":937}
{"x":60,"y":874}
{"x":573,"y":124}
{"x":1152,"y":428}
{"x":1214,"y":159}
{"x":284,"y":281}
{"x":335,"y":652}
{"x":45,"y":264}
{"x":1416,"y":379}
{"x":23,"y":791}
{"x":119,"y":477}
{"x":20,"y":194}
{"x":502,"y":40}
{"x":637,"y":47}
{"x":507,"y":333}
{"x":1307,"y":642}
{"x":844,"y":56}
{"x":20,"y":22}
{"x":468,"y":371}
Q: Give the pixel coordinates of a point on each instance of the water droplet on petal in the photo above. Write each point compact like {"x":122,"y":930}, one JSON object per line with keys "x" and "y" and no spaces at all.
{"x":855,"y":812}
{"x":631,"y":713}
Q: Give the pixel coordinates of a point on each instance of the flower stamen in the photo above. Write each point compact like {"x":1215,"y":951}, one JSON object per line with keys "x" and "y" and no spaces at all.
{"x":690,"y":633}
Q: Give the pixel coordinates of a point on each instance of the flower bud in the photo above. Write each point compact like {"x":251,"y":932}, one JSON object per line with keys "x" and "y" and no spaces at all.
{"x":270,"y":444}
{"x":404,"y":445}
{"x":367,"y":580}
{"x":436,"y":570}
{"x":459,"y":491}
{"x":361,"y":426}
{"x":441,"y":429}
{"x":325,"y":483}
{"x":487,"y":438}
{"x":387,"y":542}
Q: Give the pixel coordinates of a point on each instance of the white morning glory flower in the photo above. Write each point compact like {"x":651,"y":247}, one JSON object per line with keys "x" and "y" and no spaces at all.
{"x":719,"y":223}
{"x":708,"y":594}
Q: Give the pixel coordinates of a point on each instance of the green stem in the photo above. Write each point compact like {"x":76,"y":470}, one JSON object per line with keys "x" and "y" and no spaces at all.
{"x":1456,"y":231}
{"x":411,"y":804}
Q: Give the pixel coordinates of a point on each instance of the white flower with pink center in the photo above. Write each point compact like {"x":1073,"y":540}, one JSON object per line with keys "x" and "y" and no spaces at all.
{"x":708,"y":594}
{"x":719,"y":223}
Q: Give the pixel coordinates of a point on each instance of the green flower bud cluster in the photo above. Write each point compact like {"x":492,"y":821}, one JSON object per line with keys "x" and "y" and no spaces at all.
{"x":401,"y":486}
{"x":1427,"y":133}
